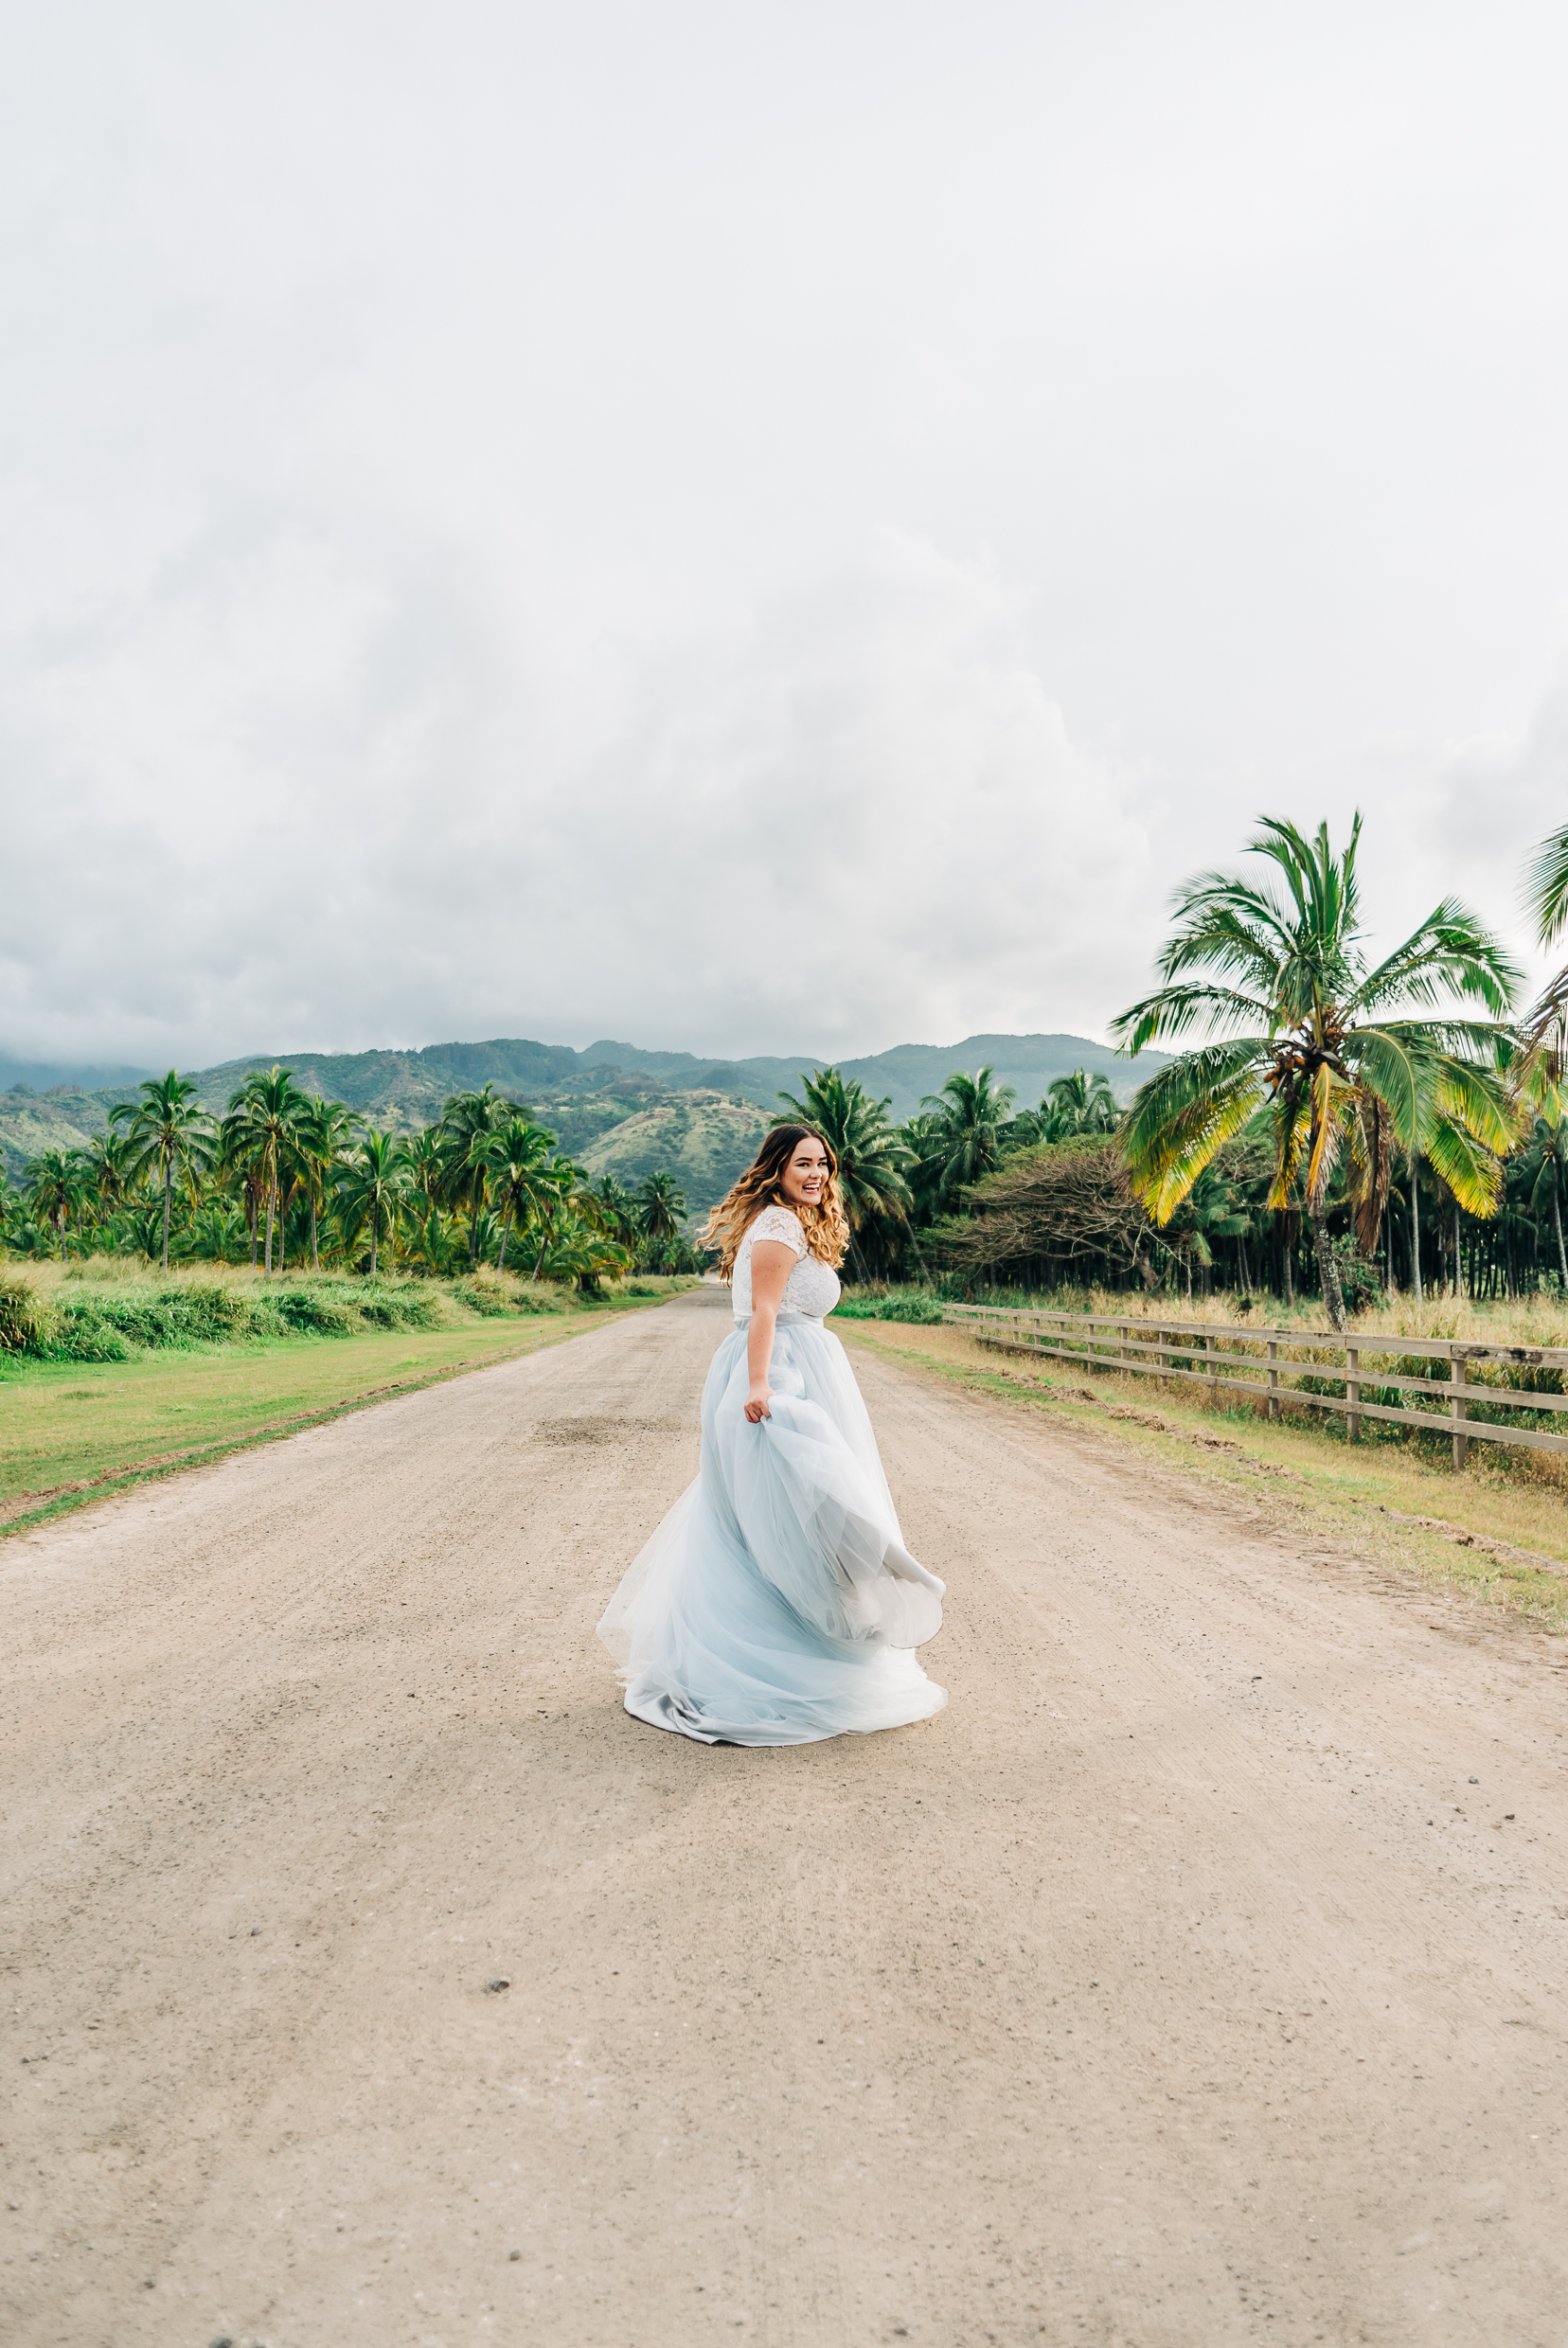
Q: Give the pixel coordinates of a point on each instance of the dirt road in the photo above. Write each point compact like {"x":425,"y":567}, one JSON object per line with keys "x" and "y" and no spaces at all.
{"x":1197,"y":1978}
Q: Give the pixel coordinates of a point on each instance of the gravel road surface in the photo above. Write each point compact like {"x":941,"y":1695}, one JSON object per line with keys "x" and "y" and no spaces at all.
{"x":1197,"y":1978}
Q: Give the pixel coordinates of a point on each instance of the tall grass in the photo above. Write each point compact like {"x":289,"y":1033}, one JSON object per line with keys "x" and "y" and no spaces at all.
{"x":101,"y":1311}
{"x":1536,"y":1320}
{"x":1527,"y":1323}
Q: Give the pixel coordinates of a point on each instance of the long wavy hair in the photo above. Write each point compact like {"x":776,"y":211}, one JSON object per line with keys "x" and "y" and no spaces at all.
{"x":826,"y":1225}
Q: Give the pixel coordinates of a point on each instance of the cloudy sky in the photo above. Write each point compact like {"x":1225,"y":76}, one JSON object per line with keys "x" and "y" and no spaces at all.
{"x":750,"y":528}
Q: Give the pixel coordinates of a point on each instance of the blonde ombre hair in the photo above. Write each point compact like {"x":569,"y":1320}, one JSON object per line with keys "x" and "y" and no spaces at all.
{"x":825,"y":1226}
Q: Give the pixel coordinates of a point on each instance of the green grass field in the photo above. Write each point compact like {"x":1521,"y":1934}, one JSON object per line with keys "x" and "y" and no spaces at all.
{"x":74,"y":1430}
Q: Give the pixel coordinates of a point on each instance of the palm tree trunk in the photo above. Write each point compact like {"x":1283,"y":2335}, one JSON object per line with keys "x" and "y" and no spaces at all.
{"x":272,"y":1195}
{"x":1286,"y":1249}
{"x":168,"y":1190}
{"x":250,"y":1217}
{"x":1557,"y":1226}
{"x":505,"y":1235}
{"x":1416,"y":1236}
{"x":474,"y":1233}
{"x":375,"y":1227}
{"x":1333,"y":1296}
{"x":316,"y":1259}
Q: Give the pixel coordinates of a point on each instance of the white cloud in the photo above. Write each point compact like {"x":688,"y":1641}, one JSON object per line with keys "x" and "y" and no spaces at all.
{"x":752,"y":531}
{"x":855,"y":816}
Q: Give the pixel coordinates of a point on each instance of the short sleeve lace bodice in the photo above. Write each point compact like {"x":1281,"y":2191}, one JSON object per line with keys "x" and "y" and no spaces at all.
{"x":811,"y":1288}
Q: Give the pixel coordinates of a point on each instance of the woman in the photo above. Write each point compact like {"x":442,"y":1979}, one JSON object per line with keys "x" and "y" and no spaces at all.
{"x":776,"y":1603}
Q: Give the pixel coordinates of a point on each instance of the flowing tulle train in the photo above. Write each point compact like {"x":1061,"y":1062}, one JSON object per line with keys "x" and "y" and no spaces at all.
{"x":776,"y":1603}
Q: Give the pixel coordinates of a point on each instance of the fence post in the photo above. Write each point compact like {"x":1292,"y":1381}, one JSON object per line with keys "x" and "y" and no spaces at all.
{"x":1125,"y":1327}
{"x":1274,"y":1379}
{"x":1352,"y":1391}
{"x":1213,"y":1369}
{"x":1456,"y":1404}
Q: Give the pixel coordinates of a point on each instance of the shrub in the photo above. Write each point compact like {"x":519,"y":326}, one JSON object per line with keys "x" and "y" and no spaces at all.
{"x":25,"y":1320}
{"x":916,"y":1304}
{"x":305,"y":1311}
{"x":483,"y":1294}
{"x":405,"y":1307}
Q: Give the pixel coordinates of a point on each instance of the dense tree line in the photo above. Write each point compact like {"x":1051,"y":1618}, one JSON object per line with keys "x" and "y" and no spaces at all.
{"x":1343,"y":1127}
{"x":285,"y":1178}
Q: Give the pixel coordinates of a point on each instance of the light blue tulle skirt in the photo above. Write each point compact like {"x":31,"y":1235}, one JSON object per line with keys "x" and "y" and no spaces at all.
{"x":776,"y":1603}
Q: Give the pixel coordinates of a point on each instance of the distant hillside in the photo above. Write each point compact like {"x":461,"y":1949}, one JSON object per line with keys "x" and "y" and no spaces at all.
{"x":587,"y":1097}
{"x":705,"y":1140}
{"x":42,"y":1075}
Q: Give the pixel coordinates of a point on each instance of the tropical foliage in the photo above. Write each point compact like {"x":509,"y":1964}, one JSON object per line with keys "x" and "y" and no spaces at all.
{"x":1326,"y":1055}
{"x":285,"y":1177}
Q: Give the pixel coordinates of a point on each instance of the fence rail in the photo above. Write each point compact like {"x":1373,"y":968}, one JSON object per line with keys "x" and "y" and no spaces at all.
{"x":1235,"y":1358}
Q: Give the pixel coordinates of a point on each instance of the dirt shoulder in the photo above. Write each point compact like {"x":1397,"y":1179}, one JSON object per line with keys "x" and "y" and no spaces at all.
{"x":1192,"y":1979}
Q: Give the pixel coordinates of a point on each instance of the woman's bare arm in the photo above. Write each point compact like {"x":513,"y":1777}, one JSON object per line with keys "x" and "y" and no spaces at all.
{"x":771,"y":1263}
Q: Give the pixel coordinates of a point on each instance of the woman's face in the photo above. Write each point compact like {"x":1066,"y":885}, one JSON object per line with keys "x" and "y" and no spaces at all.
{"x":804,"y":1177}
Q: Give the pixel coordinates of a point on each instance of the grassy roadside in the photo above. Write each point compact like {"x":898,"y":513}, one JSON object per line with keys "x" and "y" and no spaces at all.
{"x":75,"y":1432}
{"x":1499,"y":1538}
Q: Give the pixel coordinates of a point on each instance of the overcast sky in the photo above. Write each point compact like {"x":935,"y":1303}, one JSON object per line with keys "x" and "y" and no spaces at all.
{"x":755,"y":527}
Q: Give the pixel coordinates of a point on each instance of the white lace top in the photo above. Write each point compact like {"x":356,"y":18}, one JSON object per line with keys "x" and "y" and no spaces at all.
{"x":812,"y":1287}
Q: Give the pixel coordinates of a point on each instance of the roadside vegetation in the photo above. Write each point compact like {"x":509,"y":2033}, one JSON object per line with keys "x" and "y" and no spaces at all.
{"x":287,"y":1180}
{"x":108,"y":1376}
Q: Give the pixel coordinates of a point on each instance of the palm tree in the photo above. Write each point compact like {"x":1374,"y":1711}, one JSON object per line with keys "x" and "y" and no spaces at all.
{"x":617,"y":1210}
{"x":238,"y":1169}
{"x":565,"y":1179}
{"x":1077,"y":1103}
{"x":138,"y":1229}
{"x":167,"y":1128}
{"x":970,"y":1131}
{"x":518,"y":1159}
{"x":1544,"y":1166}
{"x":425,"y":1156}
{"x":581,"y":1250}
{"x":873,"y":1156}
{"x":470,"y":1122}
{"x":434,"y":1243}
{"x":661,"y":1206}
{"x":1546,"y":902}
{"x":216,"y":1232}
{"x":1331,"y":1053}
{"x":106,"y":1164}
{"x":373,"y":1188}
{"x":265,"y":1111}
{"x":57,"y":1188}
{"x":320,"y":1137}
{"x":1210,"y":1210}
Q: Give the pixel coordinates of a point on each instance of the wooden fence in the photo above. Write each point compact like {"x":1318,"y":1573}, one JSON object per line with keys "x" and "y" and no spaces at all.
{"x":1233,"y":1358}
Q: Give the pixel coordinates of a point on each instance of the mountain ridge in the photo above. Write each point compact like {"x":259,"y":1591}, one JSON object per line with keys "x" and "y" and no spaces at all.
{"x":584,"y":1096}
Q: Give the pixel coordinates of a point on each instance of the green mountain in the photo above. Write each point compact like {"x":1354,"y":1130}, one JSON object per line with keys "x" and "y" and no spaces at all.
{"x":616,"y":1108}
{"x":705,"y":1139}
